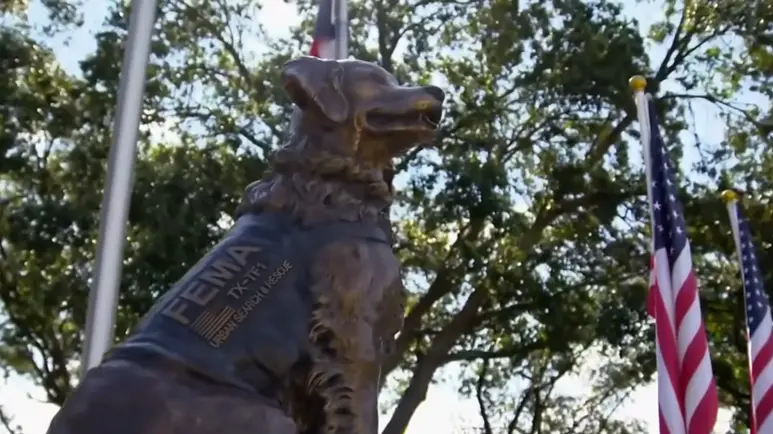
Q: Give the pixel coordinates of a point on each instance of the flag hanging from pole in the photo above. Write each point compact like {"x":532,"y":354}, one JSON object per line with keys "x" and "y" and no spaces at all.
{"x":759,"y":324}
{"x":324,"y":43}
{"x":687,"y":394}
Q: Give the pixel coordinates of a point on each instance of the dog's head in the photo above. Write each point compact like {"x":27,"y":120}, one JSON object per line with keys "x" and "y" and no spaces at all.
{"x":377,"y":118}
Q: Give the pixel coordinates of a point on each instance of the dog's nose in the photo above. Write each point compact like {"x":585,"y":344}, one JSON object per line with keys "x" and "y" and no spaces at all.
{"x":436,"y":92}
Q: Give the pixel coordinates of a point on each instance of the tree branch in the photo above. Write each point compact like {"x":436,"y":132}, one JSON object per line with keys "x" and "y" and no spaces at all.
{"x":229,"y":47}
{"x":479,"y":396}
{"x":714,"y":100}
{"x":426,"y":367}
{"x":439,"y":287}
{"x":6,"y":421}
{"x":663,"y":70}
{"x":470,"y":355}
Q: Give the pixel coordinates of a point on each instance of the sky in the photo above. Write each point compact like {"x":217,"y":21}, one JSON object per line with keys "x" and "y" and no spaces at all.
{"x":443,"y":411}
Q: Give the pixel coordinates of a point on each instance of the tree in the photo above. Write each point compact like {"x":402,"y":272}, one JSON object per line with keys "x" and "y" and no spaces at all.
{"x":523,"y":231}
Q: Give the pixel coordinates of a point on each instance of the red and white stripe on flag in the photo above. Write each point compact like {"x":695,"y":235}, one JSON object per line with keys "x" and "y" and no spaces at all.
{"x":687,"y":393}
{"x":323,"y":45}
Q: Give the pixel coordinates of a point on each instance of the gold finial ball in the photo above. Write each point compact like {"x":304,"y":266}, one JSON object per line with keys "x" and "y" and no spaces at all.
{"x":729,"y":196}
{"x":638,"y":83}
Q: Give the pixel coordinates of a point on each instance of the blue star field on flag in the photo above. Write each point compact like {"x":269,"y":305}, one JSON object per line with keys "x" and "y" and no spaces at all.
{"x":669,"y":232}
{"x":757,"y":303}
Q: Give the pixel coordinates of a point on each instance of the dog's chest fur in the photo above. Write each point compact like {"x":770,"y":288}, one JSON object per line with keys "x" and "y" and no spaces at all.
{"x":358,"y":310}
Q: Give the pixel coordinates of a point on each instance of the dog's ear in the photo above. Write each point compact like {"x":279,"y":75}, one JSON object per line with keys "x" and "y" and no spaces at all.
{"x":310,"y":81}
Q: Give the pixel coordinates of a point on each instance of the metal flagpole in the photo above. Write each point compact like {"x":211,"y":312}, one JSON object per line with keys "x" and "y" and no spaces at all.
{"x":103,"y":297}
{"x":341,"y":22}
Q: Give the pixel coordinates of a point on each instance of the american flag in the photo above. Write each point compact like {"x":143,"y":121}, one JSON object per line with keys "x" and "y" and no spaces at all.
{"x":323,"y":45}
{"x":687,"y":394}
{"x":759,"y":329}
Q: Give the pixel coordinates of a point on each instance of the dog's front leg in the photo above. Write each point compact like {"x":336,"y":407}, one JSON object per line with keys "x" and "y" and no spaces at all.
{"x":349,"y":282}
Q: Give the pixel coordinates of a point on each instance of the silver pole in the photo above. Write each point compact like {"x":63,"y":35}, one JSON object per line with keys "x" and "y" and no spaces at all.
{"x":342,"y":29}
{"x":103,"y":297}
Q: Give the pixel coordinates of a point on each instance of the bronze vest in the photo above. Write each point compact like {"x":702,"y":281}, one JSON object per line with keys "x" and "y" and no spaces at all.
{"x":242,"y":312}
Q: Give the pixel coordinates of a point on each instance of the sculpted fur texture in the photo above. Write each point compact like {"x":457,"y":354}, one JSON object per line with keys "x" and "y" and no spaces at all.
{"x":283,"y":326}
{"x":354,"y":119}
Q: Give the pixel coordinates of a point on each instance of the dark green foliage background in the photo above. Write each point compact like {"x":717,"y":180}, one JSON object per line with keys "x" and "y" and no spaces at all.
{"x":523,"y":231}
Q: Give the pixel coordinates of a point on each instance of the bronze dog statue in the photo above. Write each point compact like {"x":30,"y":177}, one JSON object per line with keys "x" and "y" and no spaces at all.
{"x":282,"y":326}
